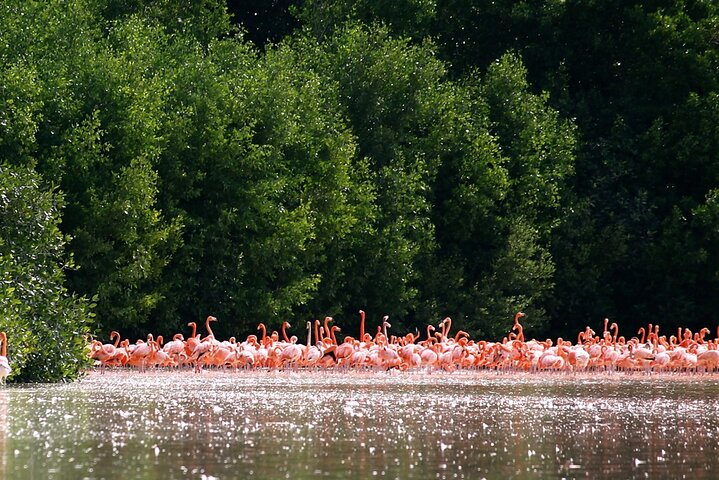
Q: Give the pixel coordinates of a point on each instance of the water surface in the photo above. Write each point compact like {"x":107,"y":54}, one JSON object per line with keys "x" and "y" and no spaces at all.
{"x":218,"y":425}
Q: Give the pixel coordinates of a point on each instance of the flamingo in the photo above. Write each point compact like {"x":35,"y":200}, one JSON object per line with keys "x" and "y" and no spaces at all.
{"x":578,"y":357}
{"x":222,"y":355}
{"x":105,"y":353}
{"x":210,"y":334}
{"x":5,"y":369}
{"x":312,"y":353}
{"x":141,"y":353}
{"x":641,"y":352}
{"x":291,"y":353}
{"x":551,"y":359}
{"x":385,"y":326}
{"x":243,"y":358}
{"x":446,"y":325}
{"x":203,"y":351}
{"x":429,"y":356}
{"x":389,"y":358}
{"x":159,"y":357}
{"x":175,"y":349}
{"x":327,"y":331}
{"x":261,"y":327}
{"x":708,"y":359}
{"x":345,"y":350}
{"x":518,"y":326}
{"x":192,"y":341}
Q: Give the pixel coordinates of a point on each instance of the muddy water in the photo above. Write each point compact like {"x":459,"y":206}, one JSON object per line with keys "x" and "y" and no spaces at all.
{"x":361,"y":425}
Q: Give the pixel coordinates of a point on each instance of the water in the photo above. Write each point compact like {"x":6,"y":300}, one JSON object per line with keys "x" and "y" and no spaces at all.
{"x":361,"y":425}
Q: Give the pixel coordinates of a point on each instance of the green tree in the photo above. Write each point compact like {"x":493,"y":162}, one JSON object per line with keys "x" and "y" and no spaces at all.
{"x":505,"y":156}
{"x":469,"y":177}
{"x":202,"y":20}
{"x":643,"y":96}
{"x":47,"y":326}
{"x":381,"y":86}
{"x":257,"y":169}
{"x":629,"y":74}
{"x":109,"y":158}
{"x":405,"y":18}
{"x":97,"y":89}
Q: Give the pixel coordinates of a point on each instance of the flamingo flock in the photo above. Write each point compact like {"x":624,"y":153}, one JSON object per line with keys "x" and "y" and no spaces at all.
{"x":438,"y":350}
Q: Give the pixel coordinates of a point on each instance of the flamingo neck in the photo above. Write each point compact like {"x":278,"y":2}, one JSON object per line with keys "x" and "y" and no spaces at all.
{"x":284,"y":332}
{"x":362,"y":321}
{"x":318,"y":338}
{"x":328,"y":333}
{"x":207,"y":326}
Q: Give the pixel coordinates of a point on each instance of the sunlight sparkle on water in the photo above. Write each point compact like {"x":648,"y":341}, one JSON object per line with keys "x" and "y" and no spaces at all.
{"x":308,"y":424}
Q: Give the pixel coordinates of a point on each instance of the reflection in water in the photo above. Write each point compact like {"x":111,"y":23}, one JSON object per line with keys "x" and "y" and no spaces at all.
{"x":357,"y":425}
{"x":3,"y":434}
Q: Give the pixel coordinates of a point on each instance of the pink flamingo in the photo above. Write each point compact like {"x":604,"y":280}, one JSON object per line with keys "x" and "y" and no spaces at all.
{"x":175,"y":348}
{"x":192,"y":341}
{"x":5,"y":369}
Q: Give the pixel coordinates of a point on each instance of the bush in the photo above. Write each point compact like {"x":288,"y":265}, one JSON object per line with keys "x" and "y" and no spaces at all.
{"x":46,"y":326}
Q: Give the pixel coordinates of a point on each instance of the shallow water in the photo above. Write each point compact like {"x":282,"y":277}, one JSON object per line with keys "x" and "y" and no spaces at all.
{"x":361,"y":425}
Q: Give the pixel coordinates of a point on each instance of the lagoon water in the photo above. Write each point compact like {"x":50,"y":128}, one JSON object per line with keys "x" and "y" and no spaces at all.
{"x":295,"y":425}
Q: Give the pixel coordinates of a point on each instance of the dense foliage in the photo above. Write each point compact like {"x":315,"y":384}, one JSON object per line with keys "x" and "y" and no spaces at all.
{"x":639,"y":80}
{"x":46,"y":326}
{"x":301,"y":159}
